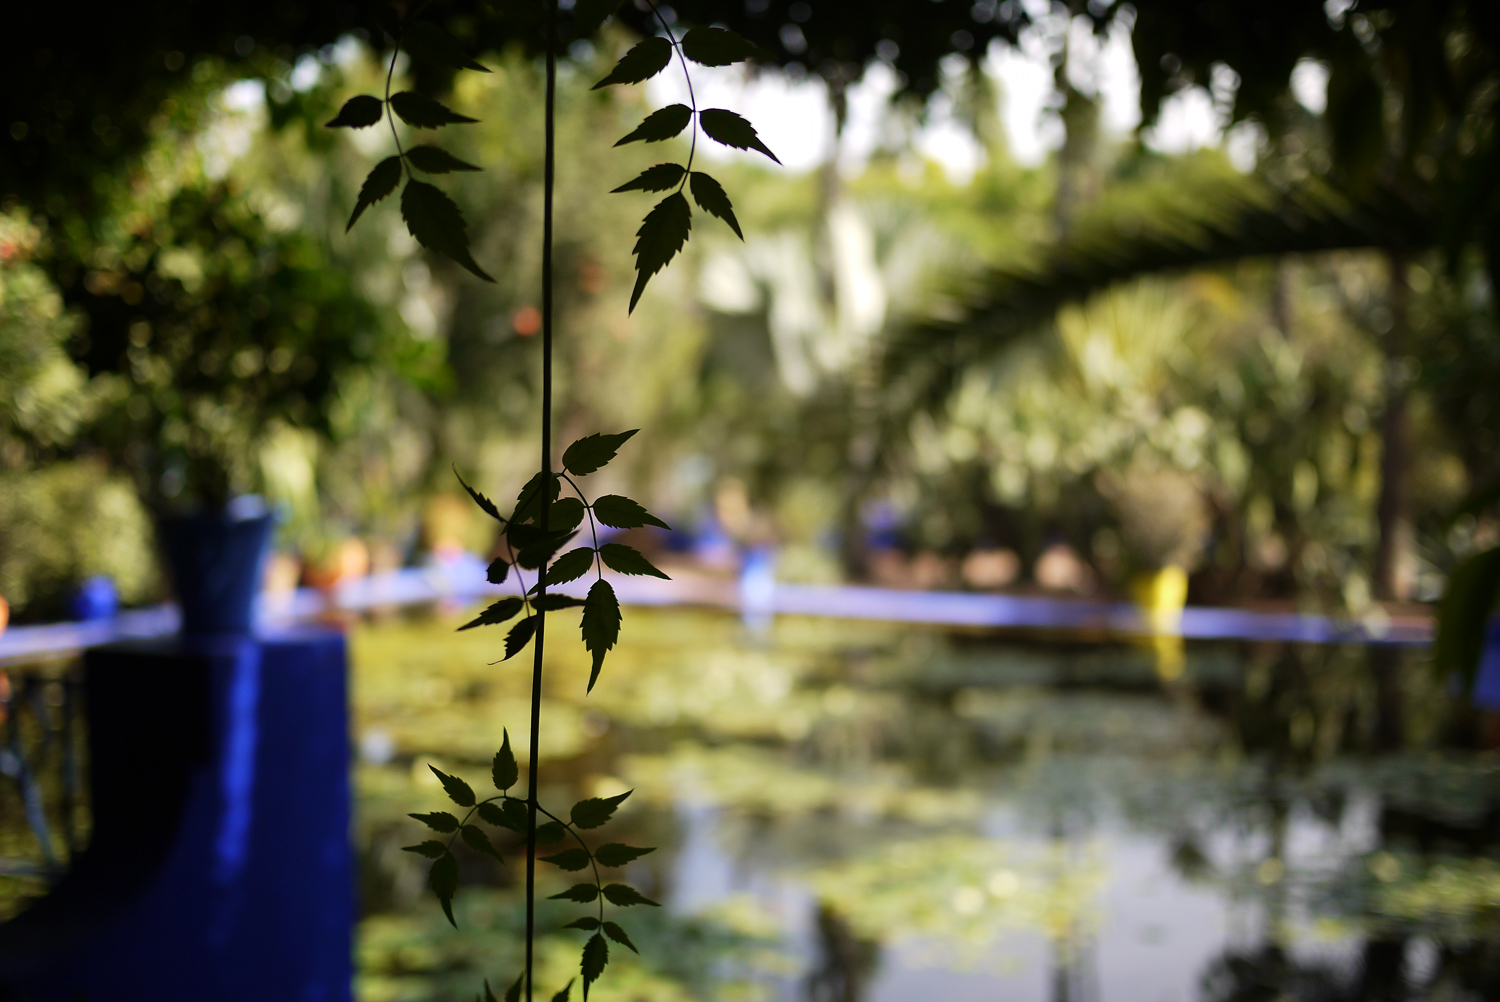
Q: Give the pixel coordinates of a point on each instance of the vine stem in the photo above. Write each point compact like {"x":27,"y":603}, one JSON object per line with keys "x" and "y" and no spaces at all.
{"x":548,"y":170}
{"x":391,"y":115}
{"x":692,"y":99}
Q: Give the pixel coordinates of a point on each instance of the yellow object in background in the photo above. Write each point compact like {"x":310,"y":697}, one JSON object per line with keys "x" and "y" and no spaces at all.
{"x":1161,"y":597}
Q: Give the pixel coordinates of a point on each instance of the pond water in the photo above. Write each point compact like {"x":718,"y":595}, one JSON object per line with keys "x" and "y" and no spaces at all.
{"x":856,"y":811}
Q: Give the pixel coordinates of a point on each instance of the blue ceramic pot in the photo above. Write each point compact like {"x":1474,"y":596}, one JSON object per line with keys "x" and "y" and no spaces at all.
{"x":215,"y":561}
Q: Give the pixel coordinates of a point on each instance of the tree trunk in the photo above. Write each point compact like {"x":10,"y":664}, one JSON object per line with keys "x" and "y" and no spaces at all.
{"x":1391,"y":580}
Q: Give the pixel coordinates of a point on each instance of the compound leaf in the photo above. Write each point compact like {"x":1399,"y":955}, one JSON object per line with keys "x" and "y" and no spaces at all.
{"x":594,"y":451}
{"x":380,"y":182}
{"x":528,"y":502}
{"x":538,"y":552}
{"x":485,"y":504}
{"x":661,"y":236}
{"x":595,"y":956}
{"x":509,"y":813}
{"x":551,"y":603}
{"x":711,"y":198}
{"x":430,"y":44}
{"x":568,"y":859}
{"x":432,"y":848}
{"x":624,"y":895}
{"x":622,"y":513}
{"x":503,"y":770}
{"x":595,"y":811}
{"x":443,"y":878}
{"x":617,"y":934}
{"x":518,"y":637}
{"x":730,"y":129}
{"x":358,"y":113}
{"x":435,"y":160}
{"x":422,"y":112}
{"x":498,"y":613}
{"x":613,"y":854}
{"x":565,"y":514}
{"x":479,"y":841}
{"x":457,"y":790}
{"x":578,"y":892}
{"x":661,"y":124}
{"x":571,"y":565}
{"x":601,"y":625}
{"x":438,"y":821}
{"x":645,"y":59}
{"x":436,"y":223}
{"x":718,"y":47}
{"x":550,"y":833}
{"x":497,"y":571}
{"x":628,"y":560}
{"x":659,"y":178}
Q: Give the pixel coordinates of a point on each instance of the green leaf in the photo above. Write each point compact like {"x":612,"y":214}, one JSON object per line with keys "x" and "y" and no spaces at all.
{"x":661,"y":236}
{"x":430,"y":44}
{"x":550,"y":833}
{"x":730,"y":129}
{"x":588,"y":15}
{"x":457,"y":790}
{"x":497,"y":571}
{"x":595,"y":811}
{"x":617,"y":934}
{"x":380,"y":182}
{"x":613,"y":854}
{"x":432,"y":849}
{"x":646,"y":59}
{"x":571,"y":565}
{"x":551,"y":603}
{"x":528,"y":502}
{"x":478,"y":840}
{"x":662,"y":177}
{"x":438,"y":821}
{"x":435,"y":160}
{"x":358,"y":113}
{"x":595,"y":956}
{"x":587,"y":922}
{"x":485,"y":504}
{"x":562,"y":996}
{"x":710,"y":196}
{"x":496,"y":614}
{"x":578,"y":892}
{"x":601,"y":625}
{"x":568,"y":859}
{"x":661,"y":124}
{"x":719,"y":47}
{"x":622,"y":513}
{"x":594,"y":451}
{"x":518,"y":637}
{"x":624,"y":895}
{"x":628,"y":560}
{"x":513,"y":993}
{"x":503,"y":770}
{"x":443,"y":878}
{"x":436,"y":223}
{"x":422,"y":112}
{"x":565,"y":514}
{"x":537,"y":553}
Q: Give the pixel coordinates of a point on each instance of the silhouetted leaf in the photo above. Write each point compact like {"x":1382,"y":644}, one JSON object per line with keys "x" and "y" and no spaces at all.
{"x":457,"y":790}
{"x":710,"y":196}
{"x":623,"y":513}
{"x":595,"y":811}
{"x":498,"y":613}
{"x":624,"y":895}
{"x":659,"y":178}
{"x":380,"y":182}
{"x":497,"y":571}
{"x":568,"y":859}
{"x":443,"y":878}
{"x":518,"y":637}
{"x":489,"y":996}
{"x":436,"y":223}
{"x":478,"y":840}
{"x":601,"y":625}
{"x":613,"y":854}
{"x":438,"y":821}
{"x":503,"y":770}
{"x":422,"y":112}
{"x":435,"y":160}
{"x":661,"y":124}
{"x":595,"y":956}
{"x":358,"y":113}
{"x":661,"y":236}
{"x":578,"y":892}
{"x":646,"y":59}
{"x":432,"y":849}
{"x":571,"y":565}
{"x":513,"y":993}
{"x":485,"y":504}
{"x":537,"y":553}
{"x":587,"y":922}
{"x":730,"y":129}
{"x":509,"y":813}
{"x":565,"y":514}
{"x":594,"y":451}
{"x":430,"y":44}
{"x":551,"y":603}
{"x":567,"y":990}
{"x":617,"y":934}
{"x":719,"y":47}
{"x":528,"y":502}
{"x":588,"y":15}
{"x":550,"y":833}
{"x":491,"y":813}
{"x":628,"y":560}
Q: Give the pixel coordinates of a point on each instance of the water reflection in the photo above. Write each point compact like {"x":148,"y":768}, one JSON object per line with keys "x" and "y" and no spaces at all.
{"x":855,"y":812}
